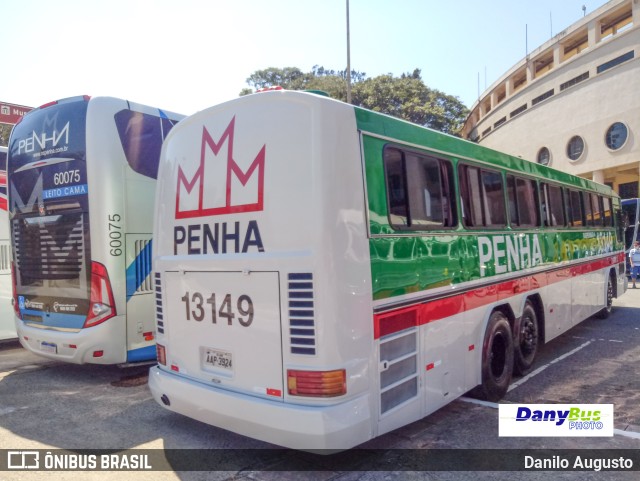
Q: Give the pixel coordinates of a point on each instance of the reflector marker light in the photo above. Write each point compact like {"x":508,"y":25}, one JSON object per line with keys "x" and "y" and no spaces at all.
{"x":14,"y":288}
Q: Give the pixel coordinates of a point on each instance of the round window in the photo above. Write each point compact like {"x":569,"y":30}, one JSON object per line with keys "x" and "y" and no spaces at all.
{"x":575,"y":148}
{"x":616,"y":136}
{"x":544,"y":156}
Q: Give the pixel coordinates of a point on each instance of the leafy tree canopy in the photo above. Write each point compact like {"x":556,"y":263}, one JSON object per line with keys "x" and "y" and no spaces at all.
{"x":5,"y":131}
{"x":405,"y":97}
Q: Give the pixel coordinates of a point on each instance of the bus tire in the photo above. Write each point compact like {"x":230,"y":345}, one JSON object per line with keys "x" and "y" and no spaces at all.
{"x":527,"y":337}
{"x":497,"y":359}
{"x":606,"y":310}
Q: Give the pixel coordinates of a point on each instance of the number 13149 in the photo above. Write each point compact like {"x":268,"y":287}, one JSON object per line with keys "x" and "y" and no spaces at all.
{"x":218,"y":308}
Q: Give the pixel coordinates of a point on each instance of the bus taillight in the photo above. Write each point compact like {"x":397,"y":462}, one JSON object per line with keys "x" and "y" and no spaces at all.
{"x":161,"y":354}
{"x":317,"y":383}
{"x":14,"y":288}
{"x":101,"y":304}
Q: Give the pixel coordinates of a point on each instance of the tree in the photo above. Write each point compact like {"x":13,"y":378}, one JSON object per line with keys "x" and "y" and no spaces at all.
{"x":405,"y":97}
{"x":5,"y":131}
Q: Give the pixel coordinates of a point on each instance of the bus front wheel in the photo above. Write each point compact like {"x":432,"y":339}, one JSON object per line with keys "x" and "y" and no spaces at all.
{"x":497,"y":359}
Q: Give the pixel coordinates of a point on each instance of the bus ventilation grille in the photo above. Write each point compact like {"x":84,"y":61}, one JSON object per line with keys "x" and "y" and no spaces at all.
{"x":158,"y":289}
{"x":143,"y":265}
{"x":399,"y":378}
{"x":5,"y":258}
{"x":51,"y":250}
{"x":302,"y":329}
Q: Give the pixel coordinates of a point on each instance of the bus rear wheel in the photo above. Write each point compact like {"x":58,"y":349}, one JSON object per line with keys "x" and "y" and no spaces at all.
{"x":606,"y":310}
{"x":497,"y":359}
{"x":526,"y":341}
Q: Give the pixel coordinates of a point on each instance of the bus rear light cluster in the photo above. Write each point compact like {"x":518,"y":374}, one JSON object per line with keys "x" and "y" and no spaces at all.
{"x":14,"y":288}
{"x":161,"y":354}
{"x":317,"y":383}
{"x":101,"y":303}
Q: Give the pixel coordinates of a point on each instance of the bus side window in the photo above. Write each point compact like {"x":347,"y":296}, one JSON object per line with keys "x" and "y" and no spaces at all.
{"x":553,"y":204}
{"x":448,"y":189}
{"x":608,"y":218}
{"x":523,"y":202}
{"x":589,"y":214}
{"x":574,"y":207}
{"x":482,"y":195}
{"x":494,"y":205}
{"x":471,"y":196}
{"x":418,"y":190}
{"x":396,"y":187}
{"x":598,"y":217}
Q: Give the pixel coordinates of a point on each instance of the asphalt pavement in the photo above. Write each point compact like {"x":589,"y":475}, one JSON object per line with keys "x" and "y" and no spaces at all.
{"x":50,"y":405}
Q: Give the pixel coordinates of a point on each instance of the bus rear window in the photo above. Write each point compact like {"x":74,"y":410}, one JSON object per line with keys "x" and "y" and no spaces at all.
{"x":418,"y":190}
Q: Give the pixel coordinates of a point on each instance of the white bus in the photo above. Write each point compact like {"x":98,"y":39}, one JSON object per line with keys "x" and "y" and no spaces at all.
{"x":81,"y":180}
{"x":325,"y":274}
{"x":7,"y":325}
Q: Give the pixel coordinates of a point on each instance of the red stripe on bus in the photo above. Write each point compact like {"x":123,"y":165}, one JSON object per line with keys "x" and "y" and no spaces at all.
{"x":3,"y":203}
{"x":417,"y":315}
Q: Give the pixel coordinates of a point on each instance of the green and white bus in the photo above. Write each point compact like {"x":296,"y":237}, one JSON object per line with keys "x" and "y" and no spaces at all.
{"x":325,"y":274}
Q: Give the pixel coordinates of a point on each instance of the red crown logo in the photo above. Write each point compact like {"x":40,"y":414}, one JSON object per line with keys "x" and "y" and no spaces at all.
{"x":233,"y":170}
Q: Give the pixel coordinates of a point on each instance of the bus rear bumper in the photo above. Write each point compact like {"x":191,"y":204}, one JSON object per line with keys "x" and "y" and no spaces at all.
{"x":101,"y":344}
{"x":307,"y":428}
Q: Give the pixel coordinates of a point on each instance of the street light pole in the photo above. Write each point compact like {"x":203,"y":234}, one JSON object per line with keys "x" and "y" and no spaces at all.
{"x":348,"y":59}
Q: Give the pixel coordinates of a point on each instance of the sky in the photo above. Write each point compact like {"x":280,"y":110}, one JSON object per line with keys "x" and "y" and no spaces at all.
{"x":187,"y":55}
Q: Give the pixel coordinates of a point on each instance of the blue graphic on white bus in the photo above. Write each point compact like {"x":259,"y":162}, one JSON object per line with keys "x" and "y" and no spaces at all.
{"x":138,"y":270}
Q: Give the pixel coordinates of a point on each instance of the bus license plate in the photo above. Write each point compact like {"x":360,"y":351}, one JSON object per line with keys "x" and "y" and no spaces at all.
{"x":49,"y":347}
{"x":214,"y":358}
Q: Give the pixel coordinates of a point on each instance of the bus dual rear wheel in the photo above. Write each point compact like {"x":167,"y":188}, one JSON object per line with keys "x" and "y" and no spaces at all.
{"x":606,"y":310}
{"x":497,"y":359}
{"x":526,"y":341}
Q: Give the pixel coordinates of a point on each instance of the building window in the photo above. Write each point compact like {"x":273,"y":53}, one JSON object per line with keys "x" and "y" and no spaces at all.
{"x":575,"y":148}
{"x":628,"y":190}
{"x":616,"y":61}
{"x":573,"y":81}
{"x":616,"y":136}
{"x":542,"y":97}
{"x":544,"y":156}
{"x":519,"y":110}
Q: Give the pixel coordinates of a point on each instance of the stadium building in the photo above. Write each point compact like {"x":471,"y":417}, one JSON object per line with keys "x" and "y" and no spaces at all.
{"x":574,"y":102}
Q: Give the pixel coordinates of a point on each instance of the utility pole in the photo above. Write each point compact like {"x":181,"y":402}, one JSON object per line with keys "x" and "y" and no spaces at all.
{"x":348,"y":59}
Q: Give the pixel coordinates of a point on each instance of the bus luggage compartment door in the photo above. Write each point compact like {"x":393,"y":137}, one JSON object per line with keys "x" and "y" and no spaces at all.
{"x":224,"y":329}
